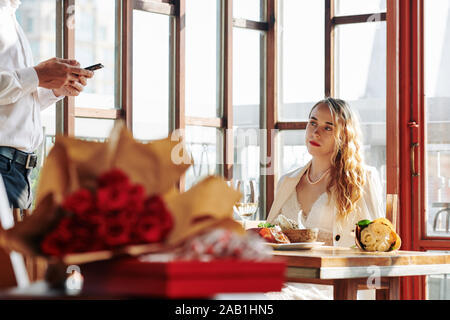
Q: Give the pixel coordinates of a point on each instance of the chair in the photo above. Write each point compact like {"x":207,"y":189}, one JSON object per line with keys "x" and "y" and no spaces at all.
{"x":392,"y":209}
{"x":445,"y":212}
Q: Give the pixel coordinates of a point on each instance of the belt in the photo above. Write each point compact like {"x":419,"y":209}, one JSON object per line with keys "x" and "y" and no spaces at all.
{"x":29,"y":160}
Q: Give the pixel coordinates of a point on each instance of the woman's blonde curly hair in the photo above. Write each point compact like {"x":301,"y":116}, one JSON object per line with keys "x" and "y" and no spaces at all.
{"x":347,"y":169}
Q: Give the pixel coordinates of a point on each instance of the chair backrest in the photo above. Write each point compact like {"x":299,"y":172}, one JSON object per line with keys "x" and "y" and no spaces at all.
{"x":392,"y":209}
{"x":12,"y":265}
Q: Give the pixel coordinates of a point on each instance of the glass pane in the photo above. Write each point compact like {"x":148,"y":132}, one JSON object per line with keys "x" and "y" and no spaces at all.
{"x":38,"y":20}
{"x":95,"y":42}
{"x":361,"y":80}
{"x":351,"y":7}
{"x":437,"y":94}
{"x":438,"y":286}
{"x":292,"y":151}
{"x":301,"y":57}
{"x":247,"y":105}
{"x":205,"y":147}
{"x":202,"y":63}
{"x":151,"y":75}
{"x":361,"y":61}
{"x":93,"y":129}
{"x":248,"y":9}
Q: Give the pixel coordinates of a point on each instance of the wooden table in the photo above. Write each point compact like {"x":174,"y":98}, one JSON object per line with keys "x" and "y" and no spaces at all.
{"x":349,"y":270}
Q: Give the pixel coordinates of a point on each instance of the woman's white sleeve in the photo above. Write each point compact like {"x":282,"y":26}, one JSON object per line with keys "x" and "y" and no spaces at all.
{"x":372,"y":204}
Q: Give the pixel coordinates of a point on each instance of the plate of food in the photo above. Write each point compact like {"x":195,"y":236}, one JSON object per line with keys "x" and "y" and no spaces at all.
{"x":285,"y":234}
{"x":295,"y":245}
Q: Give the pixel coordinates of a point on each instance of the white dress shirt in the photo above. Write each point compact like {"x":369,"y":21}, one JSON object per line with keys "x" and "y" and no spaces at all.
{"x":21,"y":101}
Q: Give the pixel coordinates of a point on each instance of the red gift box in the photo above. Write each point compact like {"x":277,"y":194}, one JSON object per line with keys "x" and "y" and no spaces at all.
{"x":129,"y":277}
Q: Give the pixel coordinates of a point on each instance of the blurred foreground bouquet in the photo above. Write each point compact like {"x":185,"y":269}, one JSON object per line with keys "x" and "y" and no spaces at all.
{"x":100,"y":200}
{"x":116,"y":213}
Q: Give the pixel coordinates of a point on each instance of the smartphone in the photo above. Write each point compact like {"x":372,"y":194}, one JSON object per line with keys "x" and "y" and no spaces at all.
{"x":95,"y":67}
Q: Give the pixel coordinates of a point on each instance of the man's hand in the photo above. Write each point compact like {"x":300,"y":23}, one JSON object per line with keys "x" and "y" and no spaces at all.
{"x":70,"y":90}
{"x":57,"y":73}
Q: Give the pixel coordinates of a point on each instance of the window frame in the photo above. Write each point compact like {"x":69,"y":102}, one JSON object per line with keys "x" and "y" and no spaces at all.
{"x":66,"y":110}
{"x":331,"y":21}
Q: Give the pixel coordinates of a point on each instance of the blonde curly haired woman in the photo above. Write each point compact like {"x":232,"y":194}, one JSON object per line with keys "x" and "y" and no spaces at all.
{"x":333,"y":191}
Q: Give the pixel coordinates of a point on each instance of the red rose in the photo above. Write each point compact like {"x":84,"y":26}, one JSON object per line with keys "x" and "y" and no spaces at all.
{"x":79,"y":202}
{"x":148,"y":230}
{"x":155,"y":221}
{"x":112,"y":198}
{"x":57,"y":242}
{"x":63,"y":230}
{"x":136,"y":197}
{"x":84,"y":245}
{"x":96,"y":223}
{"x":155,"y":206}
{"x":113,"y":177}
{"x":166,"y":220}
{"x":53,"y":245}
{"x":117,"y":232}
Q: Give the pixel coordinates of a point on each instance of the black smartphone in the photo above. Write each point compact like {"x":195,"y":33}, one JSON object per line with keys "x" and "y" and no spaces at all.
{"x":95,"y":67}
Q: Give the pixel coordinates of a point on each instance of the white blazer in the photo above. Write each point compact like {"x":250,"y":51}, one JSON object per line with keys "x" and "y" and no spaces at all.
{"x":368,"y":207}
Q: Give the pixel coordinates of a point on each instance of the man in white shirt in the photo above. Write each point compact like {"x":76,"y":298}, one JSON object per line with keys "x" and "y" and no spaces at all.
{"x":25,"y":90}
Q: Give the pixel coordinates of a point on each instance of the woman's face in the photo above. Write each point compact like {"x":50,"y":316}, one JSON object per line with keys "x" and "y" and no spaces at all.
{"x":320,"y":132}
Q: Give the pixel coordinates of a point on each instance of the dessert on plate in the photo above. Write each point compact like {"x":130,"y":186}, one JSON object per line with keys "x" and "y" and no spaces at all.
{"x":377,"y":235}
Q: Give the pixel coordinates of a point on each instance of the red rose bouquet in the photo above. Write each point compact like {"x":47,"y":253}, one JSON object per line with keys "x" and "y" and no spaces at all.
{"x":115,"y":214}
{"x":99,"y":200}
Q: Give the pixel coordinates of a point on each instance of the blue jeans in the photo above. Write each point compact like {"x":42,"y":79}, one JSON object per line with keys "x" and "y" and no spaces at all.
{"x":17,"y":183}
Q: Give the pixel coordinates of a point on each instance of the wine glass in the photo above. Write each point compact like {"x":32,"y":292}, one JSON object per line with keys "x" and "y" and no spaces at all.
{"x":247,"y":206}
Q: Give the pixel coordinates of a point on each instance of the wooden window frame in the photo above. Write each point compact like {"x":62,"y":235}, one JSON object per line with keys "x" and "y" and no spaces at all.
{"x":412,"y":117}
{"x":267,"y":63}
{"x":67,"y":111}
{"x":331,"y":21}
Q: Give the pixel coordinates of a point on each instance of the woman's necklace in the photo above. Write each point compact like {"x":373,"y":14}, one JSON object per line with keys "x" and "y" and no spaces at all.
{"x":321,"y":177}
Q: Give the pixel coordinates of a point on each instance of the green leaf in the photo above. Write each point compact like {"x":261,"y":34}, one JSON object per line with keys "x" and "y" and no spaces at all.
{"x":265,"y":225}
{"x":364,"y":223}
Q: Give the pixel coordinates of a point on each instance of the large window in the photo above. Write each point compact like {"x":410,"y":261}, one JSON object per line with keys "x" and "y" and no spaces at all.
{"x":203,"y":56}
{"x":360,"y":79}
{"x":247,"y":103}
{"x":248,"y":59}
{"x":203,"y":89}
{"x":206,"y":68}
{"x":437,"y":143}
{"x":344,"y":58}
{"x":95,"y":40}
{"x":152,"y":49}
{"x":301,"y":58}
{"x":437,"y":93}
{"x":301,"y":81}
